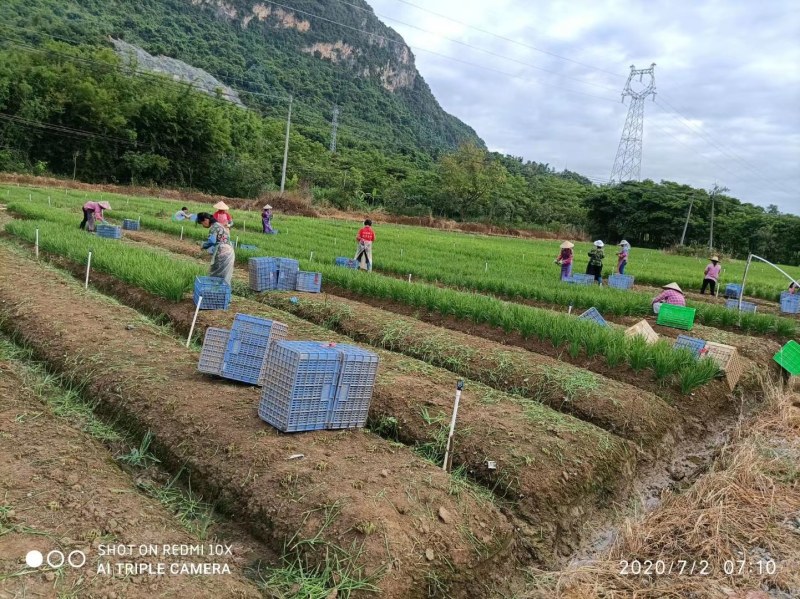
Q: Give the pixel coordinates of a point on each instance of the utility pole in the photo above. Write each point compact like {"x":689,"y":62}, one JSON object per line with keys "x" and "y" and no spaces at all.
{"x":286,"y":146}
{"x":628,"y":162}
{"x":715,"y":191}
{"x":334,"y":128}
{"x":686,"y":224}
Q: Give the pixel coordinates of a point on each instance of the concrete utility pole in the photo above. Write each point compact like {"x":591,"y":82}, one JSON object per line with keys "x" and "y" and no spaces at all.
{"x":286,"y":146}
{"x":715,"y":191}
{"x":686,"y":224}
{"x":628,"y":162}
{"x":334,"y":128}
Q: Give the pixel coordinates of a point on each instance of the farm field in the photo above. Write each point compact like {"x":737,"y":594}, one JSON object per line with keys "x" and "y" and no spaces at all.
{"x":581,"y":422}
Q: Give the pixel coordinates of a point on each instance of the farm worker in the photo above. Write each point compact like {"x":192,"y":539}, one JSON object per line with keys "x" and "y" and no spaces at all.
{"x":711,"y":276}
{"x":219,"y":246}
{"x":182,"y":214}
{"x":595,"y":266}
{"x":266,"y":220}
{"x":672,"y":294}
{"x":622,"y":256}
{"x":92,"y":212}
{"x":222,"y":216}
{"x":793,"y":286}
{"x":364,"y":239}
{"x":565,"y":260}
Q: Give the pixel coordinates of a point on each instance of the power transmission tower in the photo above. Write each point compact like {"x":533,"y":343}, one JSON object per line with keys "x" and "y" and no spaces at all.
{"x":628,"y":162}
{"x":334,"y":128}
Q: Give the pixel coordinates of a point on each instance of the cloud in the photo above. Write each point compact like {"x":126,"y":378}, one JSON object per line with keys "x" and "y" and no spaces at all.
{"x":727,"y":77}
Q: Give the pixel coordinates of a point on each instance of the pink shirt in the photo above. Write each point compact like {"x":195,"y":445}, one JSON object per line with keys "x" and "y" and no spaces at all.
{"x":96,"y":208}
{"x":670,"y":296}
{"x":712,"y":271}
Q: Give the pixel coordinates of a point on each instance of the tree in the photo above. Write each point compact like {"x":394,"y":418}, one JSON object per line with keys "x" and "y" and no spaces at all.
{"x":470,"y":178}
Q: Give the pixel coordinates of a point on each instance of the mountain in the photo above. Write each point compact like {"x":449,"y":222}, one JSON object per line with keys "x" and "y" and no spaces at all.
{"x":322,"y":53}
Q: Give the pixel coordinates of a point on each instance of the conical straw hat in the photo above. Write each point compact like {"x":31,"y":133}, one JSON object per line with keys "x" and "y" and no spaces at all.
{"x":567,"y":245}
{"x":673,"y":286}
{"x":715,"y":258}
{"x":221,"y":206}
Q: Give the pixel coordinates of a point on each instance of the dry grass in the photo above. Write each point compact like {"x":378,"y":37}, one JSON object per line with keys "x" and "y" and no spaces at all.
{"x":746,"y":508}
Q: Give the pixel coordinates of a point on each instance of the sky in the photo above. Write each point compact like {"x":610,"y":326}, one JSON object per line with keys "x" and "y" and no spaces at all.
{"x":727,"y":108}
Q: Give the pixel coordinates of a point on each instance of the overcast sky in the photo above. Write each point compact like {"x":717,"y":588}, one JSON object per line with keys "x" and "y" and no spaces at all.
{"x":730,"y":68}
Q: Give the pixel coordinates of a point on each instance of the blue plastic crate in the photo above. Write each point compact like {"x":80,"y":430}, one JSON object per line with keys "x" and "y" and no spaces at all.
{"x":299,"y":385}
{"x":213,"y":352}
{"x":732,"y":290}
{"x":579,"y":279}
{"x":263,"y":273}
{"x":287,"y":274}
{"x":248,"y":345}
{"x":620,"y":281}
{"x":215,"y":291}
{"x":109,"y":231}
{"x":790,"y":303}
{"x":593,"y":315}
{"x":310,"y":282}
{"x":733,"y":304}
{"x":346,"y":262}
{"x":694,"y":345}
{"x":130,"y":225}
{"x":354,"y":387}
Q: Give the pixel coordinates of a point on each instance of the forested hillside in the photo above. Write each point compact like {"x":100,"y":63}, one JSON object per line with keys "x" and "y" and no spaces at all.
{"x":72,"y":106}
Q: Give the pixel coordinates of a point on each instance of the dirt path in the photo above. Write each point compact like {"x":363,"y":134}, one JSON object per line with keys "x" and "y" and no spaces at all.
{"x":60,"y":491}
{"x":351,"y":487}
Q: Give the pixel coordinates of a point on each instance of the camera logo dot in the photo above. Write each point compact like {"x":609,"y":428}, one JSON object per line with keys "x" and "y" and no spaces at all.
{"x":34,"y":559}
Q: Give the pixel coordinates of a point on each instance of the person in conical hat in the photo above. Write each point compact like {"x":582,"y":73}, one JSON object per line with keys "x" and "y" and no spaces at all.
{"x":622,"y":256}
{"x":565,"y":260}
{"x":93,"y":212}
{"x":595,"y":266}
{"x":672,"y":294}
{"x":222,"y":216}
{"x":711,"y":275}
{"x":266,"y":220}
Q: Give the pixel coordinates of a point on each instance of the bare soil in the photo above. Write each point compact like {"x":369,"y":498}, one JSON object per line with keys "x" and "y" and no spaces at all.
{"x":380,"y":496}
{"x":528,"y":441}
{"x":62,"y":491}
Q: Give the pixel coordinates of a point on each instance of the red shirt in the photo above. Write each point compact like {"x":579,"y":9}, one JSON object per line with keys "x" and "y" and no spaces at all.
{"x":223,"y":218}
{"x":366,"y":234}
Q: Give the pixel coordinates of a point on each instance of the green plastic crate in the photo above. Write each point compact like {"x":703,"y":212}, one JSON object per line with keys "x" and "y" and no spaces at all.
{"x":789,"y":357}
{"x":677,"y":317}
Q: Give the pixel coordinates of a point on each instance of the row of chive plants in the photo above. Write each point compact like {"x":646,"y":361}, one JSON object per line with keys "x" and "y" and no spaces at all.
{"x":561,"y":330}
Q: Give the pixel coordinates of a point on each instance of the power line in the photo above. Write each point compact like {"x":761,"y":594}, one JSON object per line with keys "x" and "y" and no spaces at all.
{"x":513,"y":41}
{"x":65,"y":130}
{"x":479,"y":49}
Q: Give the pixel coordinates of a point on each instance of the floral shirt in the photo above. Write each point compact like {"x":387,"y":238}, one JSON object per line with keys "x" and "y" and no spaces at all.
{"x":217,"y":236}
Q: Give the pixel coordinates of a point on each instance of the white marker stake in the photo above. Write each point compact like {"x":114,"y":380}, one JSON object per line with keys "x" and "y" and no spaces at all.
{"x":181,"y":233}
{"x":570,"y":309}
{"x":88,"y":266}
{"x":448,"y":451}
{"x":244,"y":226}
{"x":36,"y":246}
{"x":401,"y":252}
{"x":409,"y":277}
{"x":194,"y":320}
{"x":486,"y":269}
{"x":237,"y":243}
{"x":311,"y":258}
{"x":140,"y":221}
{"x":48,"y":201}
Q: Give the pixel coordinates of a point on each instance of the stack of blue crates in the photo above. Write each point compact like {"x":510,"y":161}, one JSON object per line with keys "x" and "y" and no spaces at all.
{"x":215,"y":291}
{"x":733,"y":304}
{"x":620,"y":281}
{"x":109,"y":231}
{"x":247,"y":348}
{"x":732,"y":290}
{"x":694,"y":345}
{"x":263,"y":274}
{"x":130,"y":225}
{"x":790,"y":303}
{"x":580,"y":279}
{"x":287,"y":274}
{"x":595,"y":316}
{"x":300,"y":385}
{"x":346,"y":262}
{"x":357,"y":374}
{"x":312,"y":386}
{"x":309,"y":281}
